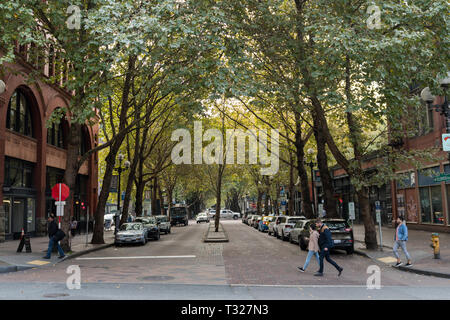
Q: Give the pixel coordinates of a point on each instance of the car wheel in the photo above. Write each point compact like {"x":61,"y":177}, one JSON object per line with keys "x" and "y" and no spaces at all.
{"x":268,"y":232}
{"x":169,"y":230}
{"x":283,"y":237}
{"x":144,"y":241}
{"x":158,"y":235}
{"x":302,"y":244}
{"x":276,"y":235}
{"x":349,"y":250}
{"x":235,"y":217}
{"x":290,"y":239}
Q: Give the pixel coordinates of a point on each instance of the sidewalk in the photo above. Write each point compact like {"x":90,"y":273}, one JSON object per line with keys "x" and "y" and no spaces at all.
{"x":418,"y":246}
{"x":11,"y":260}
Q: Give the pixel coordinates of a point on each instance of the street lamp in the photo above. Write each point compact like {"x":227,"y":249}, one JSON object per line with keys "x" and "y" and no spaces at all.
{"x":311,"y":165}
{"x":119,"y":170}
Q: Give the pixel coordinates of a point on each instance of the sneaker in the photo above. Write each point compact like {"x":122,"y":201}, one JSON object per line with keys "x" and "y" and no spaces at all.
{"x":408,"y":264}
{"x":318,"y":274}
{"x":45,"y":257}
{"x":340,"y":271}
{"x":398,"y":264}
{"x":301,"y":269}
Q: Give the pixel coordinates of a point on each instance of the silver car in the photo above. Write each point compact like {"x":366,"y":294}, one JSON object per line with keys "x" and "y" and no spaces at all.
{"x":284,"y":227}
{"x":132,"y":232}
{"x":163,"y":223}
{"x":272,"y":226}
{"x":294,"y":234}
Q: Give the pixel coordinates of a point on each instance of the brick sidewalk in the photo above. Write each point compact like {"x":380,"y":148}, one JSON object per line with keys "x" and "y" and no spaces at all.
{"x":418,"y":246}
{"x":10,"y":260}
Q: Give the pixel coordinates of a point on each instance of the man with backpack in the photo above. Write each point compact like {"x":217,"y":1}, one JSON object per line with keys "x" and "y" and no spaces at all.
{"x":325,"y":244}
{"x":55,"y":235}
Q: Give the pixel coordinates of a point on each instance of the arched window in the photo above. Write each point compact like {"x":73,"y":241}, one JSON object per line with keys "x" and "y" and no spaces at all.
{"x":55,"y":134}
{"x":18,"y":117}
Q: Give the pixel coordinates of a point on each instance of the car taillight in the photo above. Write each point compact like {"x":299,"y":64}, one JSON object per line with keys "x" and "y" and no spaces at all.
{"x":348,"y":229}
{"x":287,"y":226}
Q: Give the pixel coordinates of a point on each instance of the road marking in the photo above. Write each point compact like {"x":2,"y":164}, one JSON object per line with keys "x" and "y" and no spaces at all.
{"x":38,"y":262}
{"x":137,"y":257}
{"x":387,"y":259}
{"x":298,"y":286}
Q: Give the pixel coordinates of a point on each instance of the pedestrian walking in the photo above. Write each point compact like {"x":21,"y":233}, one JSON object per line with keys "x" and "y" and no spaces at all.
{"x":325,"y":244}
{"x":313,"y":248}
{"x":73,"y":226}
{"x":55,"y":234}
{"x":400,"y":239}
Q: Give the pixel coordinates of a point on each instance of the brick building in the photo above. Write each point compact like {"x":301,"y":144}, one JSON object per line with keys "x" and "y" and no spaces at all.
{"x":32,"y":156}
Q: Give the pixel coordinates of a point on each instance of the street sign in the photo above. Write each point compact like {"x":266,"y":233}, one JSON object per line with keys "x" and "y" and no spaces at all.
{"x":378,"y":215}
{"x":60,"y":189}
{"x":60,"y":208}
{"x":446,"y":141}
{"x":351,"y":210}
{"x":114,"y":183}
{"x":442,"y":177}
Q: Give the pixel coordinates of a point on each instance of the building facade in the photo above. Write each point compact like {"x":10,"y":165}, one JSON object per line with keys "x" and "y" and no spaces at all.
{"x":32,"y":156}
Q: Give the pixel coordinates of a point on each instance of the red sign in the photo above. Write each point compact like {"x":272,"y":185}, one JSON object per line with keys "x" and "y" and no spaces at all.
{"x":64,"y":191}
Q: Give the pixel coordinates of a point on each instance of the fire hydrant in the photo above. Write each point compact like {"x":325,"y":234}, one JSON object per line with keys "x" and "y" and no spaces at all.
{"x":435,"y":245}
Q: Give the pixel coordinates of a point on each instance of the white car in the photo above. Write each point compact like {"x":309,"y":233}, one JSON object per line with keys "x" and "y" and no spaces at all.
{"x":228,"y":214}
{"x":202,"y":217}
{"x":285,"y":225}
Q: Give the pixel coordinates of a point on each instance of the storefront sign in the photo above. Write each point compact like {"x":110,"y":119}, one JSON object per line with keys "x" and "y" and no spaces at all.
{"x":442,"y":177}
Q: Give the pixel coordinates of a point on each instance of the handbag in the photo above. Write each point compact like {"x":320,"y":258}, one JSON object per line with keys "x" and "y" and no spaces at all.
{"x":59,"y":235}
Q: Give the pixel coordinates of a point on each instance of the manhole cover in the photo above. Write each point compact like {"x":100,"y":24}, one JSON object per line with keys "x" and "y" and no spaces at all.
{"x":157,"y":278}
{"x":55,"y":295}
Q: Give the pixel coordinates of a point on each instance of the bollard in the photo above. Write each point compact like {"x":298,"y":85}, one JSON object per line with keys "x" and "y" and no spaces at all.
{"x":435,"y":245}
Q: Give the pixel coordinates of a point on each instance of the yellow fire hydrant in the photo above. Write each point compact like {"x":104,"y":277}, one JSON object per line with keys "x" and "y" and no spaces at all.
{"x":435,"y":245}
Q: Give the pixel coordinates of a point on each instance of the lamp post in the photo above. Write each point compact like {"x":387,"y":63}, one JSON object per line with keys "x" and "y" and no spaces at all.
{"x":311,"y":165}
{"x":119,"y":170}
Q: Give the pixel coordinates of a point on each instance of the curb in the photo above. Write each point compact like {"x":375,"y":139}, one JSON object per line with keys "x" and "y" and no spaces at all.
{"x":409,"y":269}
{"x":14,"y":268}
{"x":80,"y":253}
{"x":206,"y":240}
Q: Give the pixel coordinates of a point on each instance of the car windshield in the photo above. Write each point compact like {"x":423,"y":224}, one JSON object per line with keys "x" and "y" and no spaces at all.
{"x":161,"y":219}
{"x":293,"y":220}
{"x":131,"y":226}
{"x":142,"y":220}
{"x":335,"y":225}
{"x":151,"y":220}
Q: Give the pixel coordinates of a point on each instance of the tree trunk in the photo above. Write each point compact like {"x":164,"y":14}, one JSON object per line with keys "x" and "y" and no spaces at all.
{"x":161,"y":200}
{"x":259,"y":202}
{"x":325,"y":177}
{"x":154,"y":196}
{"x":218,"y":200}
{"x":139,"y":197}
{"x":370,"y":233}
{"x":70,"y":178}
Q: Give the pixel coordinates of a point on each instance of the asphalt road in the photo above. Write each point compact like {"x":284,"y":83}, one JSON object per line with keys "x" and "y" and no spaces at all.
{"x":252,"y":265}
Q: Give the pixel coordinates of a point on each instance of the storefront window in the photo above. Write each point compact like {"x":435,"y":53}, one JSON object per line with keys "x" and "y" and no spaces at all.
{"x":7,"y":214}
{"x":425,"y":205}
{"x":18,"y":116}
{"x":18,"y":173}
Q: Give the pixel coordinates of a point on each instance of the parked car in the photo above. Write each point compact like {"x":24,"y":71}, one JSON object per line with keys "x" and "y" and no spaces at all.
{"x":133,"y":232}
{"x":178,"y":215}
{"x":256,"y":222}
{"x":202,"y":217}
{"x":211,"y":213}
{"x":163,"y":223}
{"x":244,"y":218}
{"x":252,"y":219}
{"x":153,"y":231}
{"x":294,"y":234}
{"x":263,"y":225}
{"x":285,"y":226}
{"x":273,"y":224}
{"x":341,"y":233}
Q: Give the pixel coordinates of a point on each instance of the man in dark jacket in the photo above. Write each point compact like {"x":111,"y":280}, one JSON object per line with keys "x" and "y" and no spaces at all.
{"x":55,"y":235}
{"x":325,"y":244}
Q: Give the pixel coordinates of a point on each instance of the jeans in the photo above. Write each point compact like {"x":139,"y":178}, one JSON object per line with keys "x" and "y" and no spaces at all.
{"x":50,"y":247}
{"x":402,"y":244}
{"x":326,"y":255}
{"x":308,"y":258}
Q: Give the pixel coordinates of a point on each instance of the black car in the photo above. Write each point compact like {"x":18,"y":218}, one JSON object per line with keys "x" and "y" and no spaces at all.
{"x":153,"y":231}
{"x":178,"y":215}
{"x":341,"y":233}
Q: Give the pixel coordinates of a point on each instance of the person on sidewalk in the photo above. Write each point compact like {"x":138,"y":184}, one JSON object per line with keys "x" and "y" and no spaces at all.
{"x":400,"y":239}
{"x":313,"y":247}
{"x":55,"y":235}
{"x":73,"y":226}
{"x":325,"y":244}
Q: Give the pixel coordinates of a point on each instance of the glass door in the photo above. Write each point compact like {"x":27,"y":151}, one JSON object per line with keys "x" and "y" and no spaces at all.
{"x":18,"y":215}
{"x":7,"y":214}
